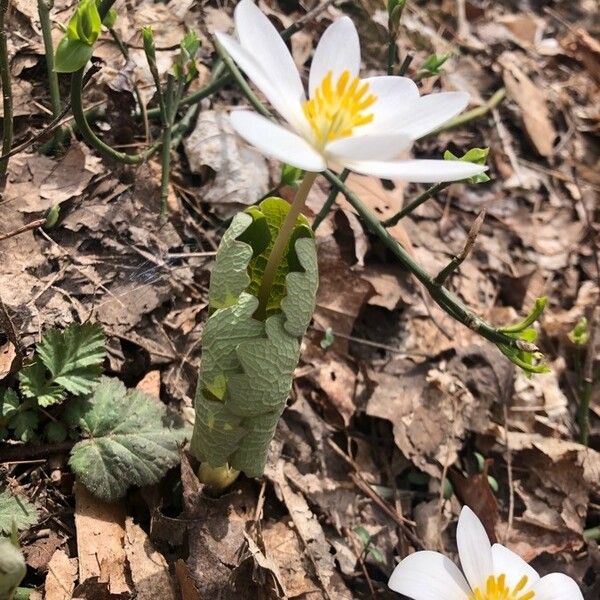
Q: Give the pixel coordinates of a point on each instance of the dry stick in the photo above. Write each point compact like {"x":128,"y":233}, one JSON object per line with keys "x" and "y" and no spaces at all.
{"x":457,"y":260}
{"x":15,"y":453}
{"x":33,"y":225}
{"x":7,"y":101}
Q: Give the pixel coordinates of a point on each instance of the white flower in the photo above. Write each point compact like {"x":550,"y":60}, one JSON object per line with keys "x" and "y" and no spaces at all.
{"x":492,"y":572}
{"x":361,"y":124}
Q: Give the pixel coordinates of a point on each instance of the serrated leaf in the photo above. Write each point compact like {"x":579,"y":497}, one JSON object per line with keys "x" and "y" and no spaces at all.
{"x":24,"y":425}
{"x":35,"y":382}
{"x":17,"y":510}
{"x":74,"y":356}
{"x":131,"y":439}
{"x":9,"y":405}
{"x":248,"y":364}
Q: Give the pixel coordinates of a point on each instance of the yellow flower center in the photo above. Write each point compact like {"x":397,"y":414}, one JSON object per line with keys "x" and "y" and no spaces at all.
{"x":496,"y":589}
{"x":336,"y":109}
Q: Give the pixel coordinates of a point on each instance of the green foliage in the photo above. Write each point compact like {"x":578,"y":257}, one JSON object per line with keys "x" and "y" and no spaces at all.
{"x":328,"y":339}
{"x":185,"y":65}
{"x":248,"y":364}
{"x":526,"y":354}
{"x":75,"y":48}
{"x":291,"y":175}
{"x":433,"y":66}
{"x":129,"y":439}
{"x":15,"y":511}
{"x":395,"y":8}
{"x":580,"y":334}
{"x":12,"y":566}
{"x":367,"y":542}
{"x":474,"y":155}
{"x":65,"y":361}
{"x":17,"y":417}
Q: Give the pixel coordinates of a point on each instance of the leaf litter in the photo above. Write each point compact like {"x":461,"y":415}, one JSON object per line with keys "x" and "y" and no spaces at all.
{"x":404,"y":394}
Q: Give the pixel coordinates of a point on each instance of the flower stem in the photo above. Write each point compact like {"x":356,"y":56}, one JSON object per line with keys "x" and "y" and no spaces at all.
{"x":44,"y":7}
{"x":333,"y":193}
{"x":7,"y":102}
{"x":587,"y":385}
{"x":428,"y":193}
{"x":281,"y":242}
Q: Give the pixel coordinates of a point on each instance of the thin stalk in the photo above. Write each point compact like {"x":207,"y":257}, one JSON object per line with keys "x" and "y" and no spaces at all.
{"x":428,"y":193}
{"x":471,"y":115}
{"x":7,"y":101}
{"x":136,"y":90}
{"x":168,"y":115}
{"x":281,"y":243}
{"x":587,"y":385}
{"x":333,"y":193}
{"x":444,"y":298}
{"x":391,"y":54}
{"x":44,"y":7}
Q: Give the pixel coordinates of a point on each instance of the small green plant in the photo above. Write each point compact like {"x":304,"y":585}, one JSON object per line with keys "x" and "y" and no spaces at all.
{"x":368,"y":548}
{"x":16,"y":512}
{"x":12,"y":565}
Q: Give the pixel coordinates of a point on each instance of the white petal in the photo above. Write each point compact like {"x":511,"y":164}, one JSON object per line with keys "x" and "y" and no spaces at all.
{"x":506,"y":562}
{"x":258,"y":37}
{"x":431,"y":111}
{"x":275,"y":141}
{"x":557,"y":586}
{"x":417,"y":171}
{"x":429,"y":576}
{"x":369,"y":147}
{"x":395,"y":97}
{"x":474,"y":549}
{"x":287,"y":106}
{"x":338,"y":50}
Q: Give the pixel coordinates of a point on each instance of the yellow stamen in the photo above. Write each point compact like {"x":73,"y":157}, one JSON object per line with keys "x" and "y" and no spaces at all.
{"x":496,"y":589}
{"x":335,"y":110}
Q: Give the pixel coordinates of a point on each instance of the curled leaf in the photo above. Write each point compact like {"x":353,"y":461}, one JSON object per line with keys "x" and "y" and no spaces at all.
{"x":247,"y":363}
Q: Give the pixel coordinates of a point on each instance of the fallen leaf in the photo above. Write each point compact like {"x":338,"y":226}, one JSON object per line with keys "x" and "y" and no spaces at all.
{"x":100,"y":534}
{"x":62,"y":573}
{"x":531,"y":99}
{"x":149,"y":569}
{"x":241,"y":173}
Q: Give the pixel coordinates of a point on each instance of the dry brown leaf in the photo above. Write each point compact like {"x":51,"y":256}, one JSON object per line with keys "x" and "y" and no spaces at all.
{"x":241,"y":172}
{"x":149,"y":569}
{"x":312,"y":536}
{"x":100,"y":535}
{"x":8,"y":354}
{"x":283,"y":547}
{"x":531,"y":99}
{"x":150,"y":384}
{"x":62,"y":573}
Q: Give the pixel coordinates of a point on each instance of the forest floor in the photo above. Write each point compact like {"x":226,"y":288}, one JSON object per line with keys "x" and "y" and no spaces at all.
{"x":391,"y":396}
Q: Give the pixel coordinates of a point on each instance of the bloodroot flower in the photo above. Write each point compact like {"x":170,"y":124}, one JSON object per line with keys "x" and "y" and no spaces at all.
{"x":361,"y":124}
{"x":490,"y":572}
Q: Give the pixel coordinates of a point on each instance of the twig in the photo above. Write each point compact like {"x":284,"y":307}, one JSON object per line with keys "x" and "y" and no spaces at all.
{"x":7,"y":101}
{"x":18,"y":452}
{"x":33,"y":225}
{"x":411,"y":206}
{"x":333,"y":193}
{"x":471,"y":115}
{"x":44,"y":7}
{"x":587,"y":385}
{"x":458,"y":259}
